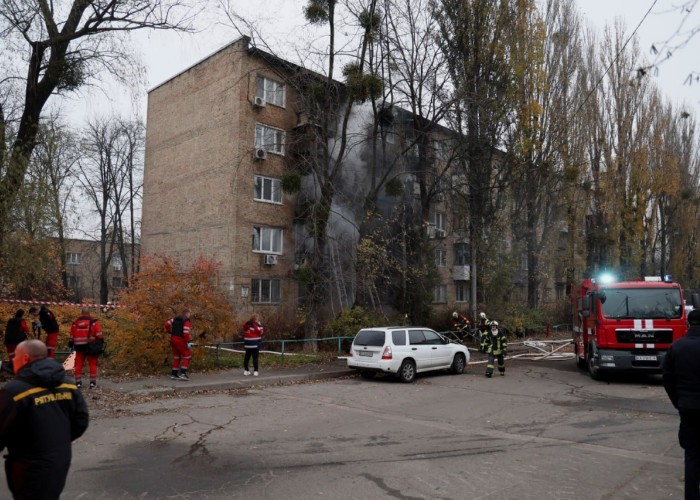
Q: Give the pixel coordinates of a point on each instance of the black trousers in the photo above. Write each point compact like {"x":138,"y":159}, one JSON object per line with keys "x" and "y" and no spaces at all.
{"x":689,"y":439}
{"x":255,"y":353}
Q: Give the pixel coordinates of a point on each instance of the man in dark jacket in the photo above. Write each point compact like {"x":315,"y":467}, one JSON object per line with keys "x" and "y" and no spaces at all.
{"x":48,"y":322}
{"x":681,"y":376}
{"x":41,"y":413}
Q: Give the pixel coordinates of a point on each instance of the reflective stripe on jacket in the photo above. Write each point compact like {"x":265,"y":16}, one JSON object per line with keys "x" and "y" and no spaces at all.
{"x":252,"y":335}
{"x":494,"y":344}
{"x":85,"y":329}
{"x":186,"y":328}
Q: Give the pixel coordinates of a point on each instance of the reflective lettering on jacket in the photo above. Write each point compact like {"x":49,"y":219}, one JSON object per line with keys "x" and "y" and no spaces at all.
{"x":41,"y":395}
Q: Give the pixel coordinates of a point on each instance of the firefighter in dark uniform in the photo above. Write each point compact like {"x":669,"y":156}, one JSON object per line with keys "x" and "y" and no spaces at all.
{"x":460,"y":322}
{"x":495,"y":344}
{"x":681,"y":377}
{"x":484,"y":324}
{"x":180,"y":341}
{"x":41,"y":413}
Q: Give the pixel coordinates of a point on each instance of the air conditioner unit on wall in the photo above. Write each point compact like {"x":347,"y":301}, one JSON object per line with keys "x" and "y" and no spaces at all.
{"x":259,"y":102}
{"x":260,"y":154}
{"x":271,"y":260}
{"x":440,"y":233}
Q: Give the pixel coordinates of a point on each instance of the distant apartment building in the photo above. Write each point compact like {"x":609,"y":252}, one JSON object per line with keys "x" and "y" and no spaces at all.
{"x":83,"y":271}
{"x":219,"y":137}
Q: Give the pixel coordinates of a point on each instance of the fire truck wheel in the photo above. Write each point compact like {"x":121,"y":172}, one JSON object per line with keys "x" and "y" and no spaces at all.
{"x":593,"y":370}
{"x":580,"y":362}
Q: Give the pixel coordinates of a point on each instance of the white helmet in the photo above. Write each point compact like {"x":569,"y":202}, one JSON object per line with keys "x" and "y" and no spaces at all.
{"x":454,"y":314}
{"x":483,"y":315}
{"x":494,"y":323}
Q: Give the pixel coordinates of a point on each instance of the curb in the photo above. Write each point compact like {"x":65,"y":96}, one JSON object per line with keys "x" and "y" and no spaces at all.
{"x":156,"y":386}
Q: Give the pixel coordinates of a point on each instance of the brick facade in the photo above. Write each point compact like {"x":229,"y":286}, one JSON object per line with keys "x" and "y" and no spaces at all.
{"x":200,"y":170}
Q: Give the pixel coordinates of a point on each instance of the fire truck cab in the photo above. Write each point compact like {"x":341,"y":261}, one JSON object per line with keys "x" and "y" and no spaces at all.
{"x":628,"y":325}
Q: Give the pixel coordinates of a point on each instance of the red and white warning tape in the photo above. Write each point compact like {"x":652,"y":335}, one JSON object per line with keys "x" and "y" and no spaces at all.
{"x":52,"y":303}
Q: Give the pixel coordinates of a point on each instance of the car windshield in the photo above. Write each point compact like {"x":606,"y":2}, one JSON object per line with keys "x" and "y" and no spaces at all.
{"x":641,"y":303}
{"x":371,"y":338}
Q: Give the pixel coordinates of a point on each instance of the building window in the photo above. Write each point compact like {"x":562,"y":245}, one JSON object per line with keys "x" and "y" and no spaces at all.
{"x":462,"y":254}
{"x":72,"y":258}
{"x":270,"y":90}
{"x":267,"y":239}
{"x":440,"y":150}
{"x":388,"y":133}
{"x":439,"y":220}
{"x":117,"y":263}
{"x":560,"y":290}
{"x":440,"y":257}
{"x":266,"y":291}
{"x":117,"y":282}
{"x":440,"y":294}
{"x":267,"y":189}
{"x":523,"y":261}
{"x":73,"y":282}
{"x":462,"y":291}
{"x":269,"y":138}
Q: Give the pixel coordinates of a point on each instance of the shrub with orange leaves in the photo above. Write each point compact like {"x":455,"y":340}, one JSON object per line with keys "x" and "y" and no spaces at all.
{"x":138,"y":341}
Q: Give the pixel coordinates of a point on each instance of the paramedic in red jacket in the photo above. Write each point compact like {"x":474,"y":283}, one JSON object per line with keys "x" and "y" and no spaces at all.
{"x":252,"y":339}
{"x":180,"y":341}
{"x":85,"y":329}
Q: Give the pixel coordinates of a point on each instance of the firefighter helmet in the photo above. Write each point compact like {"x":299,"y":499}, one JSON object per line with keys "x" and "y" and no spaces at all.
{"x":454,"y":314}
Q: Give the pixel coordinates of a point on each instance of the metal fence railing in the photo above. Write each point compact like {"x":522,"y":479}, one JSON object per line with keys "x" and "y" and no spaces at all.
{"x":283,"y":345}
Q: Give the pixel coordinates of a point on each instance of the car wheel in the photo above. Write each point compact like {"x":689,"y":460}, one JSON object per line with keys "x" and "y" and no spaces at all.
{"x":369,"y":375}
{"x":407,"y":371}
{"x":593,"y":370}
{"x":458,"y":364}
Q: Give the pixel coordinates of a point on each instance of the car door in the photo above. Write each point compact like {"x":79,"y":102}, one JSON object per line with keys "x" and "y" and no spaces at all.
{"x":440,"y":353}
{"x":420,"y":351}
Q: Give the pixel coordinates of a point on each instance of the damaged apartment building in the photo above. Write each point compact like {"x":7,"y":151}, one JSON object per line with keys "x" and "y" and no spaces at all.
{"x":220,"y":137}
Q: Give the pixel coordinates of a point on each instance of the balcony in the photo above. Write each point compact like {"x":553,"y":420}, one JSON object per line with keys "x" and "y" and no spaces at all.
{"x":460,"y":273}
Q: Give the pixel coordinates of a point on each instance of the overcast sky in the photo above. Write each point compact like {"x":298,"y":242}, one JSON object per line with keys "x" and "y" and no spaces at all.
{"x":281,"y":22}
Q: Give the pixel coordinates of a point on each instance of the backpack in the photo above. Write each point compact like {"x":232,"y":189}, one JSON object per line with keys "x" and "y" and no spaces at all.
{"x":13,"y":334}
{"x":178,"y":327}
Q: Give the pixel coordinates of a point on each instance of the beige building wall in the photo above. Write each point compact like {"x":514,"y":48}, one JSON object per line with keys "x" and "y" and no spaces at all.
{"x":83,"y":271}
{"x":200,"y":173}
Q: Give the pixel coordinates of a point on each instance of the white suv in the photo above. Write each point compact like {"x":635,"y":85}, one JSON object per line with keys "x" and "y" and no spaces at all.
{"x":405,"y":351}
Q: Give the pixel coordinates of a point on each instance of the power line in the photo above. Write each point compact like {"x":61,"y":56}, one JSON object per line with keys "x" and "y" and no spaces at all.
{"x":617,"y":56}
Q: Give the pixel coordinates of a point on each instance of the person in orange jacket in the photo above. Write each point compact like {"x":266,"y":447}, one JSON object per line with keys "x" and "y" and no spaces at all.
{"x":85,"y":332}
{"x":179,"y":329}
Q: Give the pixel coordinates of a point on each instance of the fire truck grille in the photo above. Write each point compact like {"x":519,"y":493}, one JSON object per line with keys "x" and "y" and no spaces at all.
{"x":644,"y":336}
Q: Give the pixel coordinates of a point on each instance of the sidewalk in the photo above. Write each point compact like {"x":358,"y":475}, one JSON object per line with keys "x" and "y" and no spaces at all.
{"x":230,"y":379}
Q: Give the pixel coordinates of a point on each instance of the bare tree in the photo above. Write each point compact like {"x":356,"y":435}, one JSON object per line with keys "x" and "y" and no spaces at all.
{"x":107,"y":176}
{"x":57,"y":48}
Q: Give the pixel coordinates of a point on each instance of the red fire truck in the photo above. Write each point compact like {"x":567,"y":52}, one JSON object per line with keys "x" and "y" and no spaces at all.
{"x":627,"y":326}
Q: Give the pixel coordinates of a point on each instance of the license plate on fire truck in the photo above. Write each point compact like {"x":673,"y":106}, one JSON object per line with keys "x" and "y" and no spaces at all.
{"x":645,"y":358}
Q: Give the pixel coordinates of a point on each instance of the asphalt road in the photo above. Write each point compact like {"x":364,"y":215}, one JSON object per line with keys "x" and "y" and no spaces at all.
{"x":544,"y":431}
